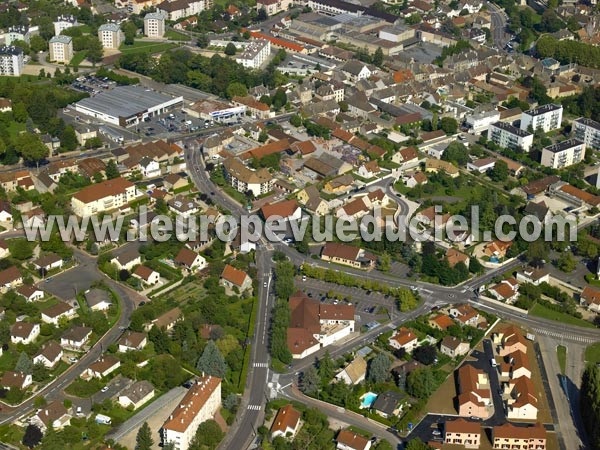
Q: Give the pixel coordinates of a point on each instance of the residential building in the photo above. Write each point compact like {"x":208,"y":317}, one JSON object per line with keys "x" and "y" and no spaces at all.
{"x":454,"y":347}
{"x":545,"y":117}
{"x":132,"y":341}
{"x":10,"y":278}
{"x":11,"y":61}
{"x":98,"y":299}
{"x":110,"y":35}
{"x":53,"y":415}
{"x":522,"y":402}
{"x":49,"y":354}
{"x":509,"y":340}
{"x":463,"y":432}
{"x":61,"y":49}
{"x":273,"y":7}
{"x":441,"y":322}
{"x":127,"y":259}
{"x":48,"y":262}
{"x":30,"y":292}
{"x":350,"y":440}
{"x":75,"y":337}
{"x":136,"y":395}
{"x":354,"y":372}
{"x":506,"y":291}
{"x":235,"y":279}
{"x":454,"y":257}
{"x":590,"y":298}
{"x":507,"y":136}
{"x":199,"y":404}
{"x":533,"y":275}
{"x":347,"y":255}
{"x":190,"y":260}
{"x":24,"y":332}
{"x":404,"y":338}
{"x":474,"y":398}
{"x":147,"y":275}
{"x":465,"y":314}
{"x":286,"y":423}
{"x":515,"y":365}
{"x":481,"y":121}
{"x":104,"y":196}
{"x":482,"y":165}
{"x":587,"y":131}
{"x":63,"y":23}
{"x":243,"y":179}
{"x":178,"y":9}
{"x":255,"y":54}
{"x":509,"y":436}
{"x":55,"y":313}
{"x":167,"y":320}
{"x":15,"y":380}
{"x":154,"y":24}
{"x":389,"y":404}
{"x":103,"y":367}
{"x":563,"y":154}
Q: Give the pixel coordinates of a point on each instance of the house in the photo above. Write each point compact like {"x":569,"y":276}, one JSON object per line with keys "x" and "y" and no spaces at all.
{"x":414,"y":179}
{"x":522,"y":402}
{"x":310,"y":197}
{"x":463,"y":432}
{"x":465,"y":315}
{"x":515,"y":365}
{"x":30,"y":293}
{"x":102,"y":367}
{"x":454,"y":257}
{"x":147,"y":275}
{"x":407,"y":157}
{"x":15,"y":380}
{"x":369,"y":170}
{"x":49,"y":354}
{"x":482,"y":165}
{"x":54,"y":415}
{"x":507,"y":290}
{"x":10,"y":278}
{"x":48,"y":262}
{"x":354,"y":372}
{"x":166,"y":320}
{"x":4,"y":250}
{"x":509,"y":340}
{"x":286,"y":210}
{"x":454,"y":347}
{"x":286,"y":423}
{"x":199,"y":404}
{"x":55,"y":313}
{"x":590,"y":298}
{"x":98,"y":299}
{"x":132,"y":340}
{"x":349,"y":440}
{"x":174,"y":182}
{"x":540,"y":210}
{"x":497,"y":249}
{"x":189,"y":259}
{"x":404,"y":338}
{"x":533,"y":275}
{"x":356,"y":70}
{"x":75,"y":337}
{"x":519,"y":437}
{"x":6,"y":215}
{"x":347,"y":255}
{"x":128,"y":259}
{"x":183,"y":207}
{"x":136,"y":395}
{"x":389,"y":404}
{"x":441,"y":322}
{"x":235,"y":279}
{"x":474,"y":398}
{"x":24,"y":332}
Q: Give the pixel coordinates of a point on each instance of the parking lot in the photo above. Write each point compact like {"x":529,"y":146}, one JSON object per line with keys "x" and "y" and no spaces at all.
{"x":66,"y":285}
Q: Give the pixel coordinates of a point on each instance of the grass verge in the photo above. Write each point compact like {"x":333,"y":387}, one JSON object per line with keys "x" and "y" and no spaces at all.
{"x":545,"y":313}
{"x":561,"y":354}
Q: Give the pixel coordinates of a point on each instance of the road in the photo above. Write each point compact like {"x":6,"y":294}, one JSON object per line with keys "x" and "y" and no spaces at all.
{"x":499,"y":21}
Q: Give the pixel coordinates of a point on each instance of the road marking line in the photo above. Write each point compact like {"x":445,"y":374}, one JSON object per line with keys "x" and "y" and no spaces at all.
{"x":257,"y":364}
{"x":254,"y":407}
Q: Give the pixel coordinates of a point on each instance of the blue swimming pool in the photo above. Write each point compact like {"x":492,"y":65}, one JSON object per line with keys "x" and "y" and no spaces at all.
{"x":366,"y":400}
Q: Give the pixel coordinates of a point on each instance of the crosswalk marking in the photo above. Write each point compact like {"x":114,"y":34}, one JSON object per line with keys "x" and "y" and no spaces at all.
{"x":566,"y":337}
{"x":257,"y":364}
{"x":254,"y":407}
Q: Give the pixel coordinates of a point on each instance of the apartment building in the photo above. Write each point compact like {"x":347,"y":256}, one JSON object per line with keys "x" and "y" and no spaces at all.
{"x":507,"y":136}
{"x":545,"y":117}
{"x":474,"y":398}
{"x":255,"y":54}
{"x":244,"y":179}
{"x":563,"y":154}
{"x":154,"y":24}
{"x":463,"y":432}
{"x":198,"y":405}
{"x":19,"y":33}
{"x":11,"y":61}
{"x":110,"y":35}
{"x":63,"y":23}
{"x":481,"y":121}
{"x":512,"y":437}
{"x":587,"y":131}
{"x":178,"y":9}
{"x":273,"y":7}
{"x":104,"y":196}
{"x":61,"y":49}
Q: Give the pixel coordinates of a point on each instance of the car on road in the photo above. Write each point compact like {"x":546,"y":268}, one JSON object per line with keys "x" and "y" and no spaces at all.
{"x":72,"y":359}
{"x":265,"y":284}
{"x":104,"y":389}
{"x":436,"y":432}
{"x":303,"y":277}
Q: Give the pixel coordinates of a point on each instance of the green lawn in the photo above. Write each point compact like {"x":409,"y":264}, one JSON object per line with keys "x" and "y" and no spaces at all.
{"x":148,"y":47}
{"x":176,"y":35}
{"x":541,"y":311}
{"x":561,"y":354}
{"x":592,"y":353}
{"x":78,"y":58}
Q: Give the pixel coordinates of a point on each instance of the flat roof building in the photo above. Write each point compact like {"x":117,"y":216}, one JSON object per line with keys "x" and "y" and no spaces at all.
{"x":507,"y":136}
{"x":587,"y":131}
{"x":563,"y":154}
{"x":61,"y":49}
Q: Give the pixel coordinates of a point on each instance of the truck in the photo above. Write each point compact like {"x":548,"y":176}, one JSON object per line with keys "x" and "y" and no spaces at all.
{"x":102,"y":419}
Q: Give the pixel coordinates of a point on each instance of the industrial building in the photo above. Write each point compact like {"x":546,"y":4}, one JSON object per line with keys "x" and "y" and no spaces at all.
{"x":126,"y":105}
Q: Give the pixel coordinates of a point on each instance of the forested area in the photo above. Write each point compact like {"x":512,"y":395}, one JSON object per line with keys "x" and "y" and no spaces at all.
{"x":590,"y":404}
{"x":568,"y":51}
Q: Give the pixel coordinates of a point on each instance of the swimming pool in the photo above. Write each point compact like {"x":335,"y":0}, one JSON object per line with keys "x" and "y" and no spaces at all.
{"x":366,"y":400}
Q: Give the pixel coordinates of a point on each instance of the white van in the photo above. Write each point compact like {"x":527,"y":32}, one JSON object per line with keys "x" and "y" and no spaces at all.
{"x":493,"y":362}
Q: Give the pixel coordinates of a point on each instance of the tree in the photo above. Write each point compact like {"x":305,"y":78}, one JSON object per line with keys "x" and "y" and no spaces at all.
{"x":68,"y":139}
{"x":310,"y":381}
{"x":236,"y":89}
{"x":590,"y":403}
{"x":24,"y":364}
{"x":112,"y":171}
{"x":21,"y":249}
{"x":385,"y":262}
{"x":378,"y":57}
{"x":449,"y":125}
{"x":474,"y":265}
{"x":94,"y":50}
{"x":230,"y":402}
{"x":425,"y":354}
{"x":208,"y":435}
{"x":32,"y":437}
{"x":456,"y":153}
{"x":37,"y":44}
{"x":30,"y":147}
{"x":379,"y":369}
{"x":536,"y":252}
{"x":499,"y":172}
{"x":230,"y":49}
{"x":326,"y":368}
{"x":143,"y":440}
{"x":279,"y":99}
{"x":212,"y":361}
{"x":296,"y":120}
{"x":566,"y":262}
{"x":129,"y":30}
{"x":417,"y":444}
{"x":420,"y":383}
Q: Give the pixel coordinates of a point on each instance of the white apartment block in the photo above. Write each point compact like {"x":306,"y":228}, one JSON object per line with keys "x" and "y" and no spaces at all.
{"x":105,"y":196}
{"x":178,"y":9}
{"x":244,"y":179}
{"x":507,"y":136}
{"x":11,"y":61}
{"x":61,"y":49}
{"x":563,"y":154}
{"x":481,"y":121}
{"x":546,"y":117}
{"x":255,"y":54}
{"x":110,"y":35}
{"x":19,"y":33}
{"x":198,"y":405}
{"x":587,"y":131}
{"x":273,"y":7}
{"x":64,"y":22}
{"x":154,"y":24}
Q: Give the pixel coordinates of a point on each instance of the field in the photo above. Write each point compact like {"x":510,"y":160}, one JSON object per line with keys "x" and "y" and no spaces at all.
{"x":147,"y":47}
{"x":545,"y":313}
{"x":176,"y":35}
{"x":592,"y":353}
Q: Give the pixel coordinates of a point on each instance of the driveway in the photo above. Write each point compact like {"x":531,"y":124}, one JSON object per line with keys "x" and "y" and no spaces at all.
{"x":67,"y":285}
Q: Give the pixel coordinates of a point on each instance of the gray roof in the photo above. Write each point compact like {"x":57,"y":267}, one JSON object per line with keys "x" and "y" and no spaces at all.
{"x":124,"y":101}
{"x":96,"y":296}
{"x":109,"y":27}
{"x":61,"y":38}
{"x":158,"y":15}
{"x":137,"y":391}
{"x":387,"y":402}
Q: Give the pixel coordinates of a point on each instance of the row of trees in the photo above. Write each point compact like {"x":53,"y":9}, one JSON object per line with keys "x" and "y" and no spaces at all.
{"x":569,"y":51}
{"x":590,"y":404}
{"x":284,"y":288}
